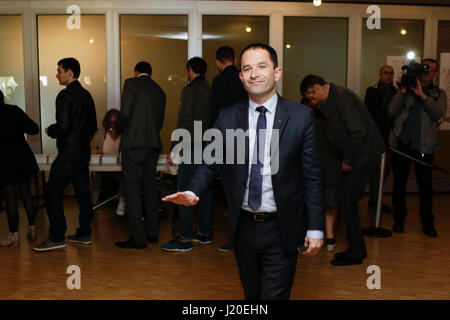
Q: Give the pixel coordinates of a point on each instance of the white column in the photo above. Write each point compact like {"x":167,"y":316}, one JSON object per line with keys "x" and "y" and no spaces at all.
{"x":31,"y":75}
{"x":113,"y":85}
{"x":194,"y":34}
{"x":354,"y":52}
{"x":276,"y":25}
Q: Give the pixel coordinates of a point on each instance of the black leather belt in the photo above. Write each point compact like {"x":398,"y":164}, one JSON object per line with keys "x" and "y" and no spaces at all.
{"x":260,"y":216}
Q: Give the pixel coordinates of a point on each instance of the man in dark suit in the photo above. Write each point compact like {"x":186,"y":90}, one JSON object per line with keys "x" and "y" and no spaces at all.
{"x":355,"y":136}
{"x":377,"y":100}
{"x":270,"y":211}
{"x":76,"y":124}
{"x":226,"y":89}
{"x":140,"y":121}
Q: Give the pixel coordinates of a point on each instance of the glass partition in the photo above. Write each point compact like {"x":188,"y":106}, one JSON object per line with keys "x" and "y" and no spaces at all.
{"x":313,"y":45}
{"x":87,"y":45}
{"x":160,"y":40}
{"x":389,"y":45}
{"x":11,"y":60}
{"x":234,"y":31}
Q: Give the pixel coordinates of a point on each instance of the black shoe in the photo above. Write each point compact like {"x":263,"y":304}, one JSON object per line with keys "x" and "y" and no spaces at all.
{"x":130,"y":244}
{"x":346,"y":261}
{"x":341,"y":255}
{"x":399,"y":228}
{"x":430,"y":232}
{"x":152,"y":239}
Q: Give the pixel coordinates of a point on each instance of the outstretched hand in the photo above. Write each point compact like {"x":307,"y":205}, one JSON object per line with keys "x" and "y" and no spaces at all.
{"x":181,"y":198}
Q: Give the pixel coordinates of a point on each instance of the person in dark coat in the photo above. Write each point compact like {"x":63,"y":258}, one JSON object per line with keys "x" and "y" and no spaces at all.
{"x":353,"y":133}
{"x":226,"y":89}
{"x":377,"y":100}
{"x":332,"y":172}
{"x":17,"y":166}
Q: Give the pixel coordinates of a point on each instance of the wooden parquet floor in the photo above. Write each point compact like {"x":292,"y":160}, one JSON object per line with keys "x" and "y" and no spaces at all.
{"x":412,"y":265}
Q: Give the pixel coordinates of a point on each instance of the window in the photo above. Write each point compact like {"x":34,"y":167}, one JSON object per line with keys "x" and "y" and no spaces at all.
{"x":389,"y":45}
{"x":160,"y":40}
{"x":313,"y":46}
{"x":87,"y":45}
{"x":11,"y":60}
{"x":234,"y":31}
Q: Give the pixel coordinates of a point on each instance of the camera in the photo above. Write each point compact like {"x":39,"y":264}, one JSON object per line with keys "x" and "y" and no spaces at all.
{"x":413,"y":70}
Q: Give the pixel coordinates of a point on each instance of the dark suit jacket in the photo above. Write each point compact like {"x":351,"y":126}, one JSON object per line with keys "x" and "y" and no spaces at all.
{"x":17,"y":161}
{"x":298,"y":184}
{"x":226,"y":89}
{"x":350,"y":127}
{"x":142,"y":114}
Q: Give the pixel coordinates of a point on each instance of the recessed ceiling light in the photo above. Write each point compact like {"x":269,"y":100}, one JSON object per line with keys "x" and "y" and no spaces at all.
{"x":248,"y":29}
{"x":317,"y":3}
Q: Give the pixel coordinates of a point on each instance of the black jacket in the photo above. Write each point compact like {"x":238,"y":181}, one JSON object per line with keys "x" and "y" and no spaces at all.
{"x":141,"y":114}
{"x":298,"y":183}
{"x":76,"y":120}
{"x":350,"y":127}
{"x":226,"y":89}
{"x":17,"y":161}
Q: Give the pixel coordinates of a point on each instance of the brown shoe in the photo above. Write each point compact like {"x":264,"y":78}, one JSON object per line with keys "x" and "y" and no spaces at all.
{"x":11,"y":240}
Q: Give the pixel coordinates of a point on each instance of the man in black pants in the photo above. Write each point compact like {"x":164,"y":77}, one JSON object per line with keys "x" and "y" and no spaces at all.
{"x":226,"y":89}
{"x":140,"y":121}
{"x":355,"y":136}
{"x":76,"y":123}
{"x":377,"y":100}
{"x":417,"y":111}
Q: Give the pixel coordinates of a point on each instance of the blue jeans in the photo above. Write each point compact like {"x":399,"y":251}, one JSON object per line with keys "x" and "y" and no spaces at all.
{"x":65,"y":169}
{"x":185,"y":172}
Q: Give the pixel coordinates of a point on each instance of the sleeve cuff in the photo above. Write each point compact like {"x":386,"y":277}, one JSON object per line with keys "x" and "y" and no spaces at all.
{"x":190,"y":193}
{"x":314,"y":234}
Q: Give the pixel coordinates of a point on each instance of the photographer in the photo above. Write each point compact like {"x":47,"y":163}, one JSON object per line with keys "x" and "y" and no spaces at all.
{"x":417,"y":109}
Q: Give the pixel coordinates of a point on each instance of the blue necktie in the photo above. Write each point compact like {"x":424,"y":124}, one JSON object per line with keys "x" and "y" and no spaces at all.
{"x":255,"y":184}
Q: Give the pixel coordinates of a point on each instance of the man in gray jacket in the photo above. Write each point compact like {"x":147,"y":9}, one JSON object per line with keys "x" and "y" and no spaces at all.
{"x":417,"y":111}
{"x":355,"y":136}
{"x":195,"y":106}
{"x":140,"y":121}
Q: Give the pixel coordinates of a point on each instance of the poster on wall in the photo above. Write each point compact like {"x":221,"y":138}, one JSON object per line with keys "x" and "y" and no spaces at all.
{"x":444,"y":84}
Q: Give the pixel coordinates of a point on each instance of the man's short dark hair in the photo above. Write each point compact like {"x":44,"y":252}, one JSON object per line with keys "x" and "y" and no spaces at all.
{"x":143,"y":67}
{"x":72,"y":64}
{"x":272,"y":52}
{"x":198,"y":65}
{"x":310,"y":81}
{"x":432,"y":61}
{"x":225,"y":54}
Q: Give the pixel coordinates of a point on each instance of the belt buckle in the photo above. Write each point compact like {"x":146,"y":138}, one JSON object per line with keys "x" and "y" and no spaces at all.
{"x":258,"y":217}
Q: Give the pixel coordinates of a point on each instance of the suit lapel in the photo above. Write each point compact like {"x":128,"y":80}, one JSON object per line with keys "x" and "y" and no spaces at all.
{"x":281,"y":115}
{"x":242,"y":121}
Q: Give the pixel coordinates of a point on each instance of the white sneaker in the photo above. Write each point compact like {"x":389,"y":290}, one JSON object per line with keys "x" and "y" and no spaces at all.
{"x":120,"y":211}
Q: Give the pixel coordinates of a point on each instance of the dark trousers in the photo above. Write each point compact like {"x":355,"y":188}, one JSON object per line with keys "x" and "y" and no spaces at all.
{"x":65,"y":169}
{"x":12,"y":212}
{"x":140,"y":188}
{"x":351,"y":191}
{"x":401,"y":167}
{"x":185,"y":172}
{"x":374,"y":180}
{"x":266,"y":271}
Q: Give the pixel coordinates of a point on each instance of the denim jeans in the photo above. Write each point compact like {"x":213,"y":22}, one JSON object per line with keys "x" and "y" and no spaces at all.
{"x":185,"y":172}
{"x":65,"y":169}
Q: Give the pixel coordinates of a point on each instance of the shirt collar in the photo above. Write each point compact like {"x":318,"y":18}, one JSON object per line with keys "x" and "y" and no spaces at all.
{"x":270,"y":104}
{"x":143,"y":74}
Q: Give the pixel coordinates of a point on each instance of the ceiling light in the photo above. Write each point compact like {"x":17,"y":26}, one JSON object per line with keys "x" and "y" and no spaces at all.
{"x":411,"y":55}
{"x":91,"y":41}
{"x":248,"y":29}
{"x":317,"y":3}
{"x":403,"y":31}
{"x":288,"y":46}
